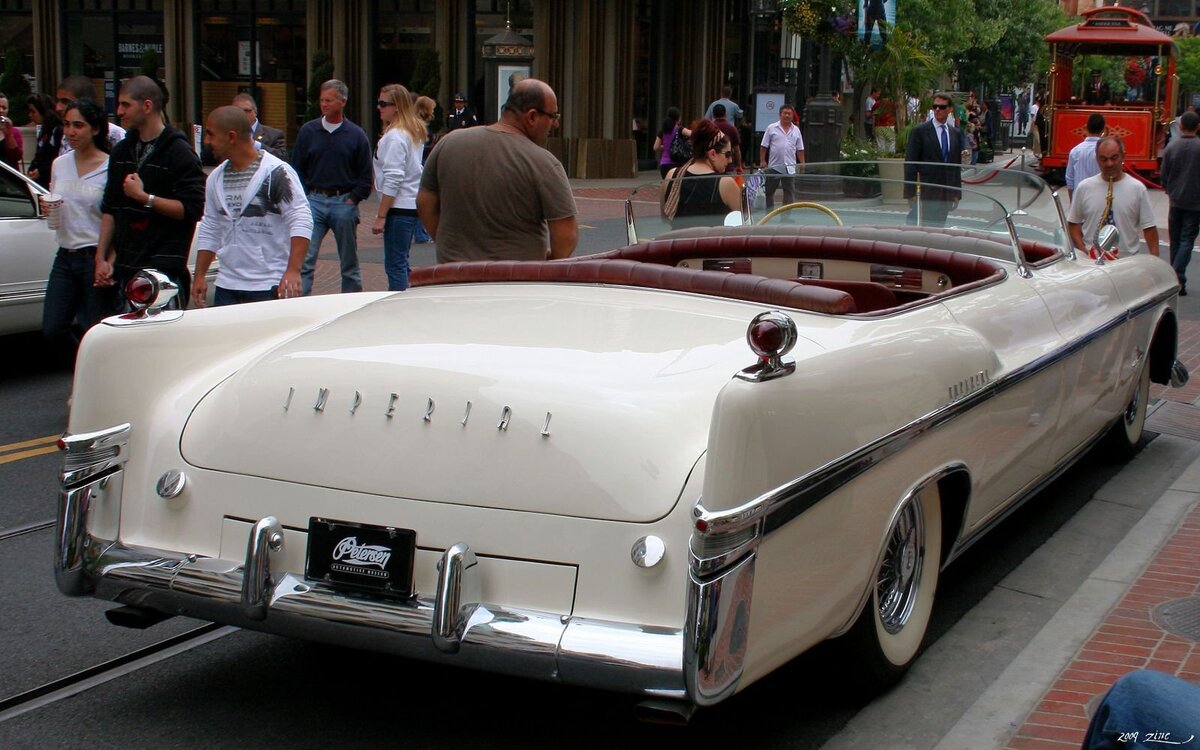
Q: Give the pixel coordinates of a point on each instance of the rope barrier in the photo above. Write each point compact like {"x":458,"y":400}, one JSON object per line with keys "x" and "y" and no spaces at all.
{"x":995,"y":171}
{"x":1143,"y":180}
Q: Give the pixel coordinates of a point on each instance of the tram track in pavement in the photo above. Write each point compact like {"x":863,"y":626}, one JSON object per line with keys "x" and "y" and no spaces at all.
{"x":29,"y":528}
{"x":94,"y":676}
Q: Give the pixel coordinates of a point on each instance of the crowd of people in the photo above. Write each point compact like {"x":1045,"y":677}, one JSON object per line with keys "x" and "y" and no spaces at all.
{"x":129,"y":197}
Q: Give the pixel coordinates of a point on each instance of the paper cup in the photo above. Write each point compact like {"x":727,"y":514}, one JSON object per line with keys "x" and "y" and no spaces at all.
{"x":51,"y":204}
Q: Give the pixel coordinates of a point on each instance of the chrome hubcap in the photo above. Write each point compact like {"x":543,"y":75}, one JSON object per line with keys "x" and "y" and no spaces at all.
{"x":898,"y":582}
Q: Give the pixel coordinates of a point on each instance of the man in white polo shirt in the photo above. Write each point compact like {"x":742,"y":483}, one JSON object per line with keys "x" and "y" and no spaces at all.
{"x":782,"y":153}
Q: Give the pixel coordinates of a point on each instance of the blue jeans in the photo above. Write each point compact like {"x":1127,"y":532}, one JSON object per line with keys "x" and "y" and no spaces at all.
{"x":332,"y":212}
{"x":398,"y":233}
{"x":422,"y":234}
{"x":73,"y":304}
{"x":1182,"y":227}
{"x":223,"y":296}
{"x":1144,"y":705}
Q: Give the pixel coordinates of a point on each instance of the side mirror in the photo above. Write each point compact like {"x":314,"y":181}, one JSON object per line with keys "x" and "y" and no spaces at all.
{"x":1107,"y":238}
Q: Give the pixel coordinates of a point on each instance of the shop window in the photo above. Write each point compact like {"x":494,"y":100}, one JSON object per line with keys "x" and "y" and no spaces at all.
{"x":257,"y":48}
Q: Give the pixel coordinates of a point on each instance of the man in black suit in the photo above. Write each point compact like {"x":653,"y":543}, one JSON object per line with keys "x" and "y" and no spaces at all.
{"x":933,"y":157}
{"x":461,"y":114}
{"x":1097,"y":90}
{"x":265,"y":137}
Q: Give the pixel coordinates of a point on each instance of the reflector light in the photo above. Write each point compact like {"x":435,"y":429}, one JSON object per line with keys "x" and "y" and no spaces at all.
{"x":771,"y":335}
{"x":140,"y":291}
{"x":766,"y":338}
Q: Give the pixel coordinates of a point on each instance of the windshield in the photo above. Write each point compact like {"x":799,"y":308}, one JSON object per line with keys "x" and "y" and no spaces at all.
{"x":1009,"y":207}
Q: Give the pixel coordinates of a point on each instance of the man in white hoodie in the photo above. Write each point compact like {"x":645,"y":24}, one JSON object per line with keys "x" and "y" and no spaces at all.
{"x":256,"y":218}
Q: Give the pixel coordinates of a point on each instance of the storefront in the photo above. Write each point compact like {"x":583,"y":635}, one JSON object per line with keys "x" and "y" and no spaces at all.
{"x":615,"y":64}
{"x":255,"y":47}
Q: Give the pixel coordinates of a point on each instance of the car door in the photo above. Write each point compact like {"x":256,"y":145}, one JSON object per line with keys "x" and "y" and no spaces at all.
{"x":27,"y":248}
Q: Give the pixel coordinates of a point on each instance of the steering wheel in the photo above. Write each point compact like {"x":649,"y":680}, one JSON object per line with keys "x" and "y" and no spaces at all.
{"x":802,"y":204}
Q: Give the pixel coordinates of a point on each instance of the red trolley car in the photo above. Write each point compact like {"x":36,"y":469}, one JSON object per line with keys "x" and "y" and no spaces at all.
{"x":1141,"y":121}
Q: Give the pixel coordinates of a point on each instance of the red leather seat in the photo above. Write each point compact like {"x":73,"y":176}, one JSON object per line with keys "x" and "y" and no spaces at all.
{"x":748,"y":287}
{"x":869,"y":296}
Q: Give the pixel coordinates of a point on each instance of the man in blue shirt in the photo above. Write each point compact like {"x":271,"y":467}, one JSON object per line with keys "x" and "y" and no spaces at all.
{"x":333,"y":159}
{"x":1081,"y":162}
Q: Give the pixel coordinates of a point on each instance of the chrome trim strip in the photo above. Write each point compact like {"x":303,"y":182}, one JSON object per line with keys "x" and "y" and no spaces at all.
{"x":717,"y":632}
{"x":88,"y":454}
{"x":23,"y":297}
{"x":1062,"y":217}
{"x":779,"y":506}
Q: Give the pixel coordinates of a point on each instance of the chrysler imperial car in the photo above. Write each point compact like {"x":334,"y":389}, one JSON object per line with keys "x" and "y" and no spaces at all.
{"x":666,"y":470}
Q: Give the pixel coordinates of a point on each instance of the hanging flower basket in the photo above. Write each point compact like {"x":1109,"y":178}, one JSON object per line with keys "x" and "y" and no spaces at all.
{"x":824,"y":20}
{"x":1135,"y":71}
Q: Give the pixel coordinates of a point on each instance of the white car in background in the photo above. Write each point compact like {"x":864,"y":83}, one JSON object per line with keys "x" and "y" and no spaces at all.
{"x":27,"y":249}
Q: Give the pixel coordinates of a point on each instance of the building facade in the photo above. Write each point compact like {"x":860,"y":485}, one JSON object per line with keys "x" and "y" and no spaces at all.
{"x":617,"y":65}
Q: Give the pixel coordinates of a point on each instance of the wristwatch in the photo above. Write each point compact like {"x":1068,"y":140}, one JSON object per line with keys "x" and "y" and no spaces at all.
{"x":149,"y":201}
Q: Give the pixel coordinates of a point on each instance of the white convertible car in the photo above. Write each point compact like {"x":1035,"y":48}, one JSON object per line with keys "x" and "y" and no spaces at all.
{"x":664,"y":470}
{"x":27,"y":248}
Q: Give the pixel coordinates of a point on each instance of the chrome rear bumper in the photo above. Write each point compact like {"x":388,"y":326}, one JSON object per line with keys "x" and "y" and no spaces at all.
{"x":450,"y":626}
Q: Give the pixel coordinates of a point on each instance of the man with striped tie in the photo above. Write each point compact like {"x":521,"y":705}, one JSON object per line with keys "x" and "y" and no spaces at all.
{"x":933,"y":166}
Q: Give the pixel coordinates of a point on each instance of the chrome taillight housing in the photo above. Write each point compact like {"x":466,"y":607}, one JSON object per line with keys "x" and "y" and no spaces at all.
{"x":770,"y":335}
{"x":149,"y":292}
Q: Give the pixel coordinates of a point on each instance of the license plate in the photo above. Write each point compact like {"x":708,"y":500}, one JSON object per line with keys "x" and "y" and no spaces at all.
{"x":362,"y":557}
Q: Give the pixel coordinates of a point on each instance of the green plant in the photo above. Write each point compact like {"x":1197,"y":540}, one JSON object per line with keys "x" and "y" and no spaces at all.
{"x":857,"y":150}
{"x":322,"y":71}
{"x":14,"y":84}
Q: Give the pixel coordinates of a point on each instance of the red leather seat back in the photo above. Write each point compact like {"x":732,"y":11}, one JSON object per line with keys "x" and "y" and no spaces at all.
{"x":748,"y":287}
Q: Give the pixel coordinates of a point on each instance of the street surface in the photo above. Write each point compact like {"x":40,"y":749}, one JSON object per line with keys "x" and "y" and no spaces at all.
{"x":70,"y":679}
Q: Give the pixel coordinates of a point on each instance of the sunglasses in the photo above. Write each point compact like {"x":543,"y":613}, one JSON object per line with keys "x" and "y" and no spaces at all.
{"x":727,"y":154}
{"x":941,"y":106}
{"x":556,"y":116}
{"x":384,"y":103}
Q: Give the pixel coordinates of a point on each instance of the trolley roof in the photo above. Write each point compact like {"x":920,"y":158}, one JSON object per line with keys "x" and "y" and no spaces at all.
{"x":1114,"y":25}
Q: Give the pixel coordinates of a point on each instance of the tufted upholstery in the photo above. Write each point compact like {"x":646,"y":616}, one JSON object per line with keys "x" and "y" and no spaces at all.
{"x":775,"y":292}
{"x":654,"y":265}
{"x":869,"y":296}
{"x":960,"y":267}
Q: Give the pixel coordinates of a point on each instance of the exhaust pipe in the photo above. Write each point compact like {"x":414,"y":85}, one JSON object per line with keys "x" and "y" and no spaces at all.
{"x":137,"y":618}
{"x":664,"y":711}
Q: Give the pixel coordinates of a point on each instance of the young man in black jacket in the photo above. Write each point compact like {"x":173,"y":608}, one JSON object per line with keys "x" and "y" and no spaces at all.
{"x":154,"y":195}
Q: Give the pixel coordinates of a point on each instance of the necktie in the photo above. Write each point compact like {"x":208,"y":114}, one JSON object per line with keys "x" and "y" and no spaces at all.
{"x":945,"y":144}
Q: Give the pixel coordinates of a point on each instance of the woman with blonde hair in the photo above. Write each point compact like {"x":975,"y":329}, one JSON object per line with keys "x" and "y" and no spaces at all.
{"x":397,"y":175}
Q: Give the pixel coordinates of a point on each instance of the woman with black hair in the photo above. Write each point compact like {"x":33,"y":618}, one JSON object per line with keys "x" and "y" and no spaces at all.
{"x":49,"y":136}
{"x":73,"y":303}
{"x":667,"y":132}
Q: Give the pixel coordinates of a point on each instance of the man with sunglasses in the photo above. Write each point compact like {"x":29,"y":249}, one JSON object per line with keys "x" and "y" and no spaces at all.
{"x":495,"y":192}
{"x":933,"y":158}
